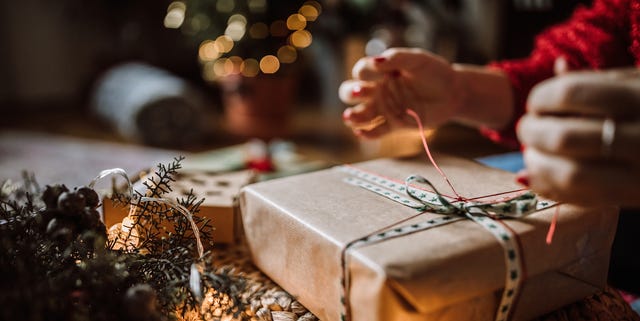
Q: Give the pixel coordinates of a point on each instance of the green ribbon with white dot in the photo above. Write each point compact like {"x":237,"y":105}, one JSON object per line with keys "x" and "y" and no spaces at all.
{"x":486,"y":214}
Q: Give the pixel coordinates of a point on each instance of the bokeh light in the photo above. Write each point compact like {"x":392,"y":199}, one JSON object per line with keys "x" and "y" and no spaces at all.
{"x":250,"y":67}
{"x":269,"y":64}
{"x":309,"y":12}
{"x":237,"y":18}
{"x":224,"y":44}
{"x":199,"y":22}
{"x":208,"y":72}
{"x":381,"y":39}
{"x":232,"y":65}
{"x":213,"y":54}
{"x":235,"y":30}
{"x":301,"y":39}
{"x":316,"y":5}
{"x":287,"y":54}
{"x":375,"y":46}
{"x":257,"y":6}
{"x":218,"y":67}
{"x":296,"y":22}
{"x":225,"y":6}
{"x":259,"y":30}
{"x":175,"y":15}
{"x":208,"y":51}
{"x":177,"y":5}
{"x":279,"y":29}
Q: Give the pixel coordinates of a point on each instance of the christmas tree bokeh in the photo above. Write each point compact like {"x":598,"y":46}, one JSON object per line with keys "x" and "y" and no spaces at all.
{"x":244,"y":37}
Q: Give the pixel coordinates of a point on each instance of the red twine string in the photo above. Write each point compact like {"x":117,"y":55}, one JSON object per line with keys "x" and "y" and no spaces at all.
{"x":415,"y":116}
{"x":552,"y":225}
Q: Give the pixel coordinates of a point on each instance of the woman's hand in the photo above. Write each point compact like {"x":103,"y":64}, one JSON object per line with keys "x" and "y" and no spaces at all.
{"x":398,"y":79}
{"x":384,"y":87}
{"x":582,"y":138}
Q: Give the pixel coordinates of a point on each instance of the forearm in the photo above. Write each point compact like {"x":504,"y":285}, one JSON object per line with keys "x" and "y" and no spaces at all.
{"x":485,"y":97}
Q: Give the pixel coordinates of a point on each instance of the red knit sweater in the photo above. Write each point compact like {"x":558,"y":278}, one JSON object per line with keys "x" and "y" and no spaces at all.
{"x":605,"y":35}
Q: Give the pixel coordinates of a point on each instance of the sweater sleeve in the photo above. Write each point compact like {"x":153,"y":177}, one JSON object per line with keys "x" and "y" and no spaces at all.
{"x":597,"y":37}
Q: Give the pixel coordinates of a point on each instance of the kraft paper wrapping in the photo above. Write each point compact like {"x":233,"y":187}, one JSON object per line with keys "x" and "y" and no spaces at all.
{"x":296,"y":227}
{"x":218,"y":189}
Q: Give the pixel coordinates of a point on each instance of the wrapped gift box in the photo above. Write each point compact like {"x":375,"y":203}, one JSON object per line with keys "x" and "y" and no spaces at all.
{"x":297,"y":228}
{"x":219,"y":190}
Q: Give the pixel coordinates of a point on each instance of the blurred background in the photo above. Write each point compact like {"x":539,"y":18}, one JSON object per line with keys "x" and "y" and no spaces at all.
{"x":199,"y":74}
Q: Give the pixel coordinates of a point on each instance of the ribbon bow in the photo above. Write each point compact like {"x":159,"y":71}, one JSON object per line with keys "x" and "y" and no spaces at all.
{"x":514,"y":207}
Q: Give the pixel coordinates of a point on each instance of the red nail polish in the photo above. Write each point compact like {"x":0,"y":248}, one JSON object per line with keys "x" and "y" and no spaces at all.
{"x":356,"y":91}
{"x":523,"y":179}
{"x":346,"y":114}
{"x":379,"y":59}
{"x":522,"y":148}
{"x":395,"y":74}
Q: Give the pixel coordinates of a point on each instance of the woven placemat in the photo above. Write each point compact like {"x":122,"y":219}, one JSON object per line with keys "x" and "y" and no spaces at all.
{"x":266,"y":301}
{"x":269,"y":302}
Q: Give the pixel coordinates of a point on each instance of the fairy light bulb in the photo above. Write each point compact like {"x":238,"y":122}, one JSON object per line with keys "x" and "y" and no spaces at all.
{"x":278,"y":28}
{"x":207,"y":71}
{"x":224,"y":44}
{"x":296,"y":21}
{"x":300,"y":38}
{"x":314,"y":4}
{"x":309,"y":12}
{"x":259,"y":30}
{"x":237,"y":18}
{"x":287,"y":54}
{"x":250,"y":67}
{"x":219,"y":67}
{"x":269,"y":64}
{"x":208,"y":51}
{"x":175,"y":15}
{"x":236,"y":27}
{"x":235,"y":30}
{"x":228,"y":66}
{"x":257,"y":6}
{"x":234,"y":63}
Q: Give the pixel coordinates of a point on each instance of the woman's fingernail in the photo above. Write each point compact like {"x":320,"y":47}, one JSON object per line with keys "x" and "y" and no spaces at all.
{"x":357,"y":132}
{"x":522,"y":148}
{"x":356,"y":91}
{"x":379,"y":59}
{"x":560,"y":66}
{"x":523,"y":178}
{"x":395,"y":74}
{"x":346,"y":114}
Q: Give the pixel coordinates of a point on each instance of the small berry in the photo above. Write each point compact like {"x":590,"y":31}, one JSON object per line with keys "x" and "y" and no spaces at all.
{"x":60,"y":230}
{"x":51,"y":194}
{"x":90,"y":196}
{"x":47,"y":215}
{"x":71,"y":202}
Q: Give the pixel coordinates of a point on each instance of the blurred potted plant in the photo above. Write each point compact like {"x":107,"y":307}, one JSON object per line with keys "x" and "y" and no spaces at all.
{"x":249,"y":48}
